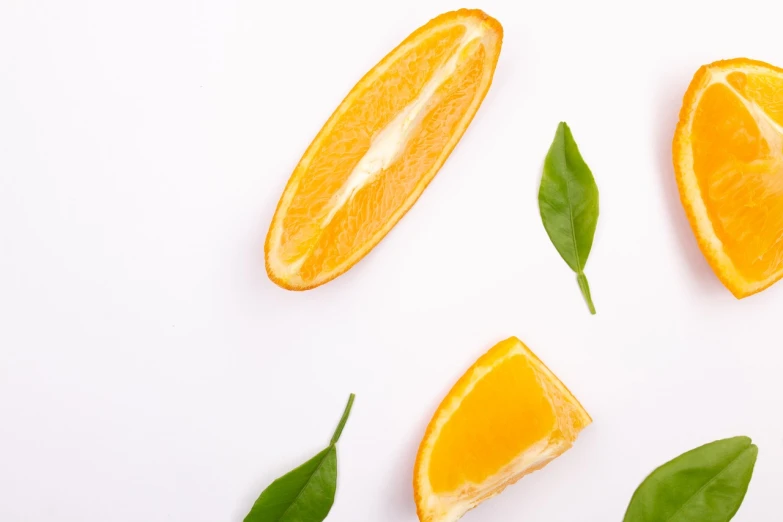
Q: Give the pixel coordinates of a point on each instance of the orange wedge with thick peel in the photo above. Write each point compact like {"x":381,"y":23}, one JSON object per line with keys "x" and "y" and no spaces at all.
{"x":506,"y":417}
{"x":728,"y":159}
{"x":376,"y":154}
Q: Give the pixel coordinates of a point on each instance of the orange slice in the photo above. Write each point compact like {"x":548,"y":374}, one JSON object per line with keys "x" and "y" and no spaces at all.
{"x":506,"y":417}
{"x":382,"y":146}
{"x":728,"y":159}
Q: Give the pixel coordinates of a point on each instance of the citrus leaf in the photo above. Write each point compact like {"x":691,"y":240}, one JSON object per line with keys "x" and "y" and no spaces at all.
{"x":568,"y":202}
{"x":706,"y":484}
{"x":305,"y":494}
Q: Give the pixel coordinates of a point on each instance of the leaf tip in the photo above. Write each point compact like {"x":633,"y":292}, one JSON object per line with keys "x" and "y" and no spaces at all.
{"x":744,"y":439}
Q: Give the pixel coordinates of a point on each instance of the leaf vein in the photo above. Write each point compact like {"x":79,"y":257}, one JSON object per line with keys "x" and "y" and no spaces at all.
{"x":307,"y":483}
{"x":706,"y":484}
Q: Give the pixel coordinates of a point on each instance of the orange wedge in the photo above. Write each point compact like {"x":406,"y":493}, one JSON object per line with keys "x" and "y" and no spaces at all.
{"x":728,"y":159}
{"x":506,"y":417}
{"x":382,"y":146}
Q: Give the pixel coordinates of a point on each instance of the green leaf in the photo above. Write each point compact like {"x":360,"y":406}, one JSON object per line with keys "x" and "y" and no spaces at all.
{"x":305,"y":494}
{"x":568,"y":202}
{"x":706,"y":484}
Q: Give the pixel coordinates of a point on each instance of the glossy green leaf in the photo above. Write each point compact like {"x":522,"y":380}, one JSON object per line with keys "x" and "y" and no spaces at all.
{"x":706,"y":484}
{"x":305,"y":494}
{"x":568,"y":202}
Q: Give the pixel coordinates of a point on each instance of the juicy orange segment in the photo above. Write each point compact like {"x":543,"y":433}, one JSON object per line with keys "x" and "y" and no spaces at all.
{"x":506,"y":417}
{"x":382,"y":146}
{"x":728,"y":159}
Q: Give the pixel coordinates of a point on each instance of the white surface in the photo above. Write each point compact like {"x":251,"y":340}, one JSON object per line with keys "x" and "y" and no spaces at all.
{"x":149,"y":371}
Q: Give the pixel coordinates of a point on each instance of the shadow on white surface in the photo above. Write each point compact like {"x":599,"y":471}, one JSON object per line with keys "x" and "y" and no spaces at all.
{"x":400,"y":503}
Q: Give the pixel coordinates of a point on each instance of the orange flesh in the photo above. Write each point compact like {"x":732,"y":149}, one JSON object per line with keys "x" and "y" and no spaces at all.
{"x":351,"y":137}
{"x":380,"y":149}
{"x":372,"y":206}
{"x":737,"y":159}
{"x":507,"y":416}
{"x":504,"y":414}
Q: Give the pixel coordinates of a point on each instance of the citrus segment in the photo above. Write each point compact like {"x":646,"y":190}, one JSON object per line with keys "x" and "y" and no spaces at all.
{"x":506,"y":417}
{"x":380,"y":149}
{"x":728,"y":159}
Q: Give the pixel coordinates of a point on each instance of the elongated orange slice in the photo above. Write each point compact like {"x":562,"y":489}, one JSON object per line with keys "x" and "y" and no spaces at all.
{"x":728,"y":159}
{"x":506,"y":417}
{"x":382,"y":146}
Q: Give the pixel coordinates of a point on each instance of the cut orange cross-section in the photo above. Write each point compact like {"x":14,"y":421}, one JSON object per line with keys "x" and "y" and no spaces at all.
{"x":506,"y":417}
{"x":382,"y":146}
{"x":728,"y":159}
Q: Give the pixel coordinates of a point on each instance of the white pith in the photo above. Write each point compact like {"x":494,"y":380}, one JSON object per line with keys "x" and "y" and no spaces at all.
{"x":390,"y":142}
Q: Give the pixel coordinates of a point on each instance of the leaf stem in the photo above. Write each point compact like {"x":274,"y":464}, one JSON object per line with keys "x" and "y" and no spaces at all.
{"x":582,"y":280}
{"x":343,"y":420}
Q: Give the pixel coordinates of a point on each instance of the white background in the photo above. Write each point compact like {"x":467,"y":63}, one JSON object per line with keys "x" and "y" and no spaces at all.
{"x":149,"y":370}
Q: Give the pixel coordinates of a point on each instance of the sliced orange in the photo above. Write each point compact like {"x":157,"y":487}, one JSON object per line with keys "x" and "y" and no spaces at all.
{"x":728,"y":159}
{"x":382,"y":146}
{"x":506,"y":417}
